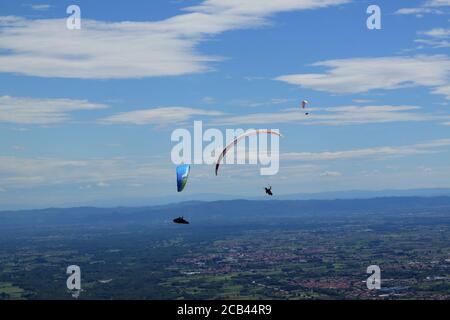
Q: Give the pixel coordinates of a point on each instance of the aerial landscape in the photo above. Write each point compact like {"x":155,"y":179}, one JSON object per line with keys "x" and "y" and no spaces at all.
{"x":221,"y":150}
{"x":287,"y":250}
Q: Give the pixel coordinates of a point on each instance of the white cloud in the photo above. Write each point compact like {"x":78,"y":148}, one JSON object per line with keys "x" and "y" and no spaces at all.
{"x":41,"y":111}
{"x":331,"y":174}
{"x":102,"y":184}
{"x":129,"y":49}
{"x":445,"y":90}
{"x":344,"y":115}
{"x":435,"y":43}
{"x":253,"y":78}
{"x":40,"y":7}
{"x":437,"y":33}
{"x":263,"y":8}
{"x":437,"y":3}
{"x":419,"y":12}
{"x":364,"y":74}
{"x":428,"y":7}
{"x":437,"y":38}
{"x":21,"y":172}
{"x":99,"y":50}
{"x":158,"y":116}
{"x":362,"y":100}
{"x":378,"y":152}
{"x":255,"y":104}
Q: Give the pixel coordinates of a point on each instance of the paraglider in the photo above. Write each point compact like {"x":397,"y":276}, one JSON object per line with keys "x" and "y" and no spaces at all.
{"x":180,"y":220}
{"x":182,"y":176}
{"x":239,"y":138}
{"x":304,"y":104}
{"x":269,"y":190}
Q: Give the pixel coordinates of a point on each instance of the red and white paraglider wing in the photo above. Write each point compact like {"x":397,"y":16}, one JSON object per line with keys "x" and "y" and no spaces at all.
{"x":239,"y":138}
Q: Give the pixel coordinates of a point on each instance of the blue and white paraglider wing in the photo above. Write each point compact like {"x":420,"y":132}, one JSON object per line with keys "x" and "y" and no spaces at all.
{"x":182,"y":176}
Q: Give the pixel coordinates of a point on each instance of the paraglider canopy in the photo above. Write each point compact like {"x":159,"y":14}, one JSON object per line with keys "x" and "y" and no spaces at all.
{"x":182,"y":176}
{"x":239,"y":138}
{"x":304,"y":103}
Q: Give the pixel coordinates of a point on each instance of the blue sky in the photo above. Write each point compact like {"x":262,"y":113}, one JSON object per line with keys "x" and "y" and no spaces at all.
{"x":86,"y":115}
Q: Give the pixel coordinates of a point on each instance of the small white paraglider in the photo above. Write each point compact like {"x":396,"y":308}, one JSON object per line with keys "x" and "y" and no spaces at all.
{"x":304,"y":104}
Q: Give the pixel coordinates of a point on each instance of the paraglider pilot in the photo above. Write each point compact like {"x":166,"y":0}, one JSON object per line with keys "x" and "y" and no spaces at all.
{"x":180,"y":220}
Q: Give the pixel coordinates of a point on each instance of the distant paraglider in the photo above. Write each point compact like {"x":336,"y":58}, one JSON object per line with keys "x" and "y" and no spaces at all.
{"x":239,"y":138}
{"x":180,"y":220}
{"x":269,"y":190}
{"x":182,"y":176}
{"x":304,"y":104}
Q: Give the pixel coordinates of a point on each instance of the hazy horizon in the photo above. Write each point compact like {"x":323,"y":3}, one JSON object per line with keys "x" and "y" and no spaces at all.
{"x":210,"y":197}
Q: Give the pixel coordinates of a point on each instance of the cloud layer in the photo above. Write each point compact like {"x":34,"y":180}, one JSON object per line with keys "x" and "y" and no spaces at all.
{"x":41,"y":111}
{"x":158,"y":116}
{"x":374,"y":153}
{"x":428,"y":7}
{"x":18,"y":172}
{"x":105,"y":50}
{"x":437,"y":38}
{"x":21,"y":172}
{"x":386,"y":73}
{"x":344,"y":115}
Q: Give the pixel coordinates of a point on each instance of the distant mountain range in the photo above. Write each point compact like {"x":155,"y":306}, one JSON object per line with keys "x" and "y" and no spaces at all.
{"x":190,"y":196}
{"x":332,"y":195}
{"x":364,"y":194}
{"x":223,"y":212}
